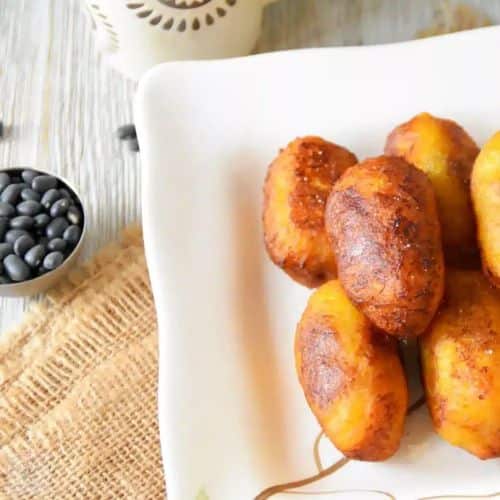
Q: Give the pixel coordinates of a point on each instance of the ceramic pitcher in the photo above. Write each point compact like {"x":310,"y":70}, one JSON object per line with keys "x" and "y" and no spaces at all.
{"x":134,"y":35}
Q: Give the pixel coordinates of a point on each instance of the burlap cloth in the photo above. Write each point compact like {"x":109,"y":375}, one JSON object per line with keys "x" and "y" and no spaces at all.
{"x":78,"y":384}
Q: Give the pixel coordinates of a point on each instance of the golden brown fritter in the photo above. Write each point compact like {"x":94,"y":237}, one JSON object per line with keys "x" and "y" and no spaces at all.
{"x":485,"y":187}
{"x":445,"y":152}
{"x":297,"y":185}
{"x":382,"y":220}
{"x":461,"y":365}
{"x":351,"y":376}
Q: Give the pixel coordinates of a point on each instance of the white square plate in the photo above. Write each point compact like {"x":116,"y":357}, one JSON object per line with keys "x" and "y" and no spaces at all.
{"x":233,"y":418}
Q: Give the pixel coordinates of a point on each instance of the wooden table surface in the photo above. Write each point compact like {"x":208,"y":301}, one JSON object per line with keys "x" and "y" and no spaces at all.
{"x":62,"y":105}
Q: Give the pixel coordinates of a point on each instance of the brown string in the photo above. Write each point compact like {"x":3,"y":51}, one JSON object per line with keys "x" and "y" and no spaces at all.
{"x":280,"y":488}
{"x":283,"y":488}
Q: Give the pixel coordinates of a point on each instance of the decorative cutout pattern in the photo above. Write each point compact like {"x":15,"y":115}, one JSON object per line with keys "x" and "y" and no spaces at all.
{"x":184,"y":4}
{"x":100,"y":18}
{"x":182,"y":22}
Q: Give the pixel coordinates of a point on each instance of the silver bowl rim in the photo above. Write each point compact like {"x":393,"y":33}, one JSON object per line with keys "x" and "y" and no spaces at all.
{"x":44,"y":277}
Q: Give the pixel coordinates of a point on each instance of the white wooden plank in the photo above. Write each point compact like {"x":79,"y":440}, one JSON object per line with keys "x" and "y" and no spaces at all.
{"x":65,"y":107}
{"x":23,"y":49}
{"x":292,"y":24}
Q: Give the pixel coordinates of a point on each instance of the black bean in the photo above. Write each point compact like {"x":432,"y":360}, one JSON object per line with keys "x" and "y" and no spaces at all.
{"x":42,"y":183}
{"x":23,"y":244}
{"x":41,"y":220}
{"x":22,"y":222}
{"x":74,"y":215}
{"x":4,"y":280}
{"x":72,"y":234}
{"x":29,"y":175}
{"x":60,"y":207}
{"x":133,"y":145}
{"x":6,"y":209}
{"x":29,"y":194}
{"x":34,"y":256}
{"x":5,"y":249}
{"x":29,"y":207}
{"x":66,"y":194}
{"x":41,"y":270}
{"x":50,"y":197}
{"x":53,"y":260}
{"x":16,"y":268}
{"x":56,"y":228}
{"x":4,"y":226}
{"x":57,"y":244}
{"x":4,"y":180}
{"x":11,"y":193}
{"x":12,"y":234}
{"x":126,"y":132}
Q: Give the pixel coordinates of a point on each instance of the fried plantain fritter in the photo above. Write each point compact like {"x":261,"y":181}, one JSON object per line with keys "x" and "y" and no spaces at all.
{"x":297,"y":185}
{"x":382,"y":221}
{"x":460,"y":356}
{"x":485,"y":187}
{"x":351,"y":375}
{"x":445,"y":152}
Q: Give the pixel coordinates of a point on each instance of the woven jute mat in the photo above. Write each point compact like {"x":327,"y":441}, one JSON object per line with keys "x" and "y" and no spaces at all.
{"x":78,"y":383}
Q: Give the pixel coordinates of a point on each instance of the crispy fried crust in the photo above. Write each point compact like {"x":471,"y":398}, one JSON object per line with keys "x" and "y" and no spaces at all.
{"x":445,"y":152}
{"x":382,"y":221}
{"x":297,"y":185}
{"x":461,"y":365}
{"x":351,"y":376}
{"x":485,"y":187}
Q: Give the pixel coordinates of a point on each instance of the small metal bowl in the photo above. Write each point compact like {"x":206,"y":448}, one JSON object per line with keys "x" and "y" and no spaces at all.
{"x":41,"y":283}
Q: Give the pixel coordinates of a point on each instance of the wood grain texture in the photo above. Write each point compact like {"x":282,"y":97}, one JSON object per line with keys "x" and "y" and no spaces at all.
{"x":291,"y":24}
{"x":62,"y":105}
